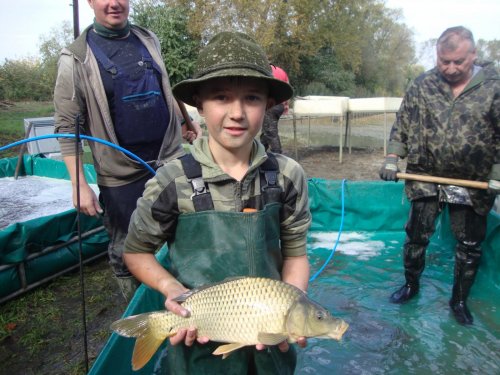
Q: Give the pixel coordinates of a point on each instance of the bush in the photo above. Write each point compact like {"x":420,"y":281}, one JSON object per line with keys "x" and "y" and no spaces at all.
{"x":24,"y":80}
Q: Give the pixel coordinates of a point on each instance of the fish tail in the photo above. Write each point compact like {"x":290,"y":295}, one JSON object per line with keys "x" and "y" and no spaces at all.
{"x":131,"y":326}
{"x":148,"y":339}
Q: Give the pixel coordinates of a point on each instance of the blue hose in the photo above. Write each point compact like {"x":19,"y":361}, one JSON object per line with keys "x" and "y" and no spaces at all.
{"x":154,"y":173}
{"x":125,"y":151}
{"x":338,"y":237}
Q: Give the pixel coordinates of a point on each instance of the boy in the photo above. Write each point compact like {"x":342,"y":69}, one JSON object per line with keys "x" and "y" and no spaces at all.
{"x":229,"y":209}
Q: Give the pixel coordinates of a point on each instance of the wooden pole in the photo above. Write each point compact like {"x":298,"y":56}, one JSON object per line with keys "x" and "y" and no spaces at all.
{"x":76,"y":20}
{"x":185,"y":114}
{"x":444,"y":180}
{"x":295,"y":145}
{"x":22,"y":149}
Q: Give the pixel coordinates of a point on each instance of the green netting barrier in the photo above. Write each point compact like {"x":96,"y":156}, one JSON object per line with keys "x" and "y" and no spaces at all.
{"x":24,"y":258}
{"x":416,"y":338}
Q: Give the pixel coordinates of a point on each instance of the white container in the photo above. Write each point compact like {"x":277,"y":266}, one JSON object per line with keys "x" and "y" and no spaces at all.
{"x":383,"y":104}
{"x":321,"y":106}
{"x":37,"y":127}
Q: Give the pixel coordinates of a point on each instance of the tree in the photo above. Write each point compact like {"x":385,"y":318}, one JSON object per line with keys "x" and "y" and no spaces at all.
{"x":489,"y":51}
{"x":387,"y":53}
{"x":178,"y":46}
{"x":33,"y":78}
{"x":427,"y":53}
{"x":361,"y":37}
{"x":50,"y":48}
{"x":19,"y":79}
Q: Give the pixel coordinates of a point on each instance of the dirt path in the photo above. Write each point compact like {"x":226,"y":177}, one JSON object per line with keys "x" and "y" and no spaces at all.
{"x":361,"y":164}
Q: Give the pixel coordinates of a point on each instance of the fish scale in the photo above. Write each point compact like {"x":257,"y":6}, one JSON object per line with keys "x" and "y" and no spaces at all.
{"x":234,"y":316}
{"x":240,"y":312}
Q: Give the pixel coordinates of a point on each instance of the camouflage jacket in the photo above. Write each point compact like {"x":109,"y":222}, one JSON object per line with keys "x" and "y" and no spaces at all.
{"x":170,"y":192}
{"x":450,"y":137}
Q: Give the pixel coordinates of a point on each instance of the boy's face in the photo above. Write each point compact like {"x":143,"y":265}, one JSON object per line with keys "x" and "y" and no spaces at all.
{"x":234,"y":110}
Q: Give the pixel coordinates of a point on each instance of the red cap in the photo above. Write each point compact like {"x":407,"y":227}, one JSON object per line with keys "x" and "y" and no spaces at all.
{"x":279,"y":73}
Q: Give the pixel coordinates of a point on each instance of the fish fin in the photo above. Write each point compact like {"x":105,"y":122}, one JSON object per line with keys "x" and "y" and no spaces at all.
{"x":145,"y":347}
{"x":227,"y":349}
{"x":184,"y":296}
{"x":271,"y":338}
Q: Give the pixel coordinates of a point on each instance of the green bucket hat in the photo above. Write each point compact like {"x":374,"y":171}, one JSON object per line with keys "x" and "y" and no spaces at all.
{"x":232,"y":54}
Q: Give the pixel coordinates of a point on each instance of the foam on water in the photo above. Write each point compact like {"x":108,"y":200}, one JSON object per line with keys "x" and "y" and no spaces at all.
{"x":31,"y":197}
{"x":351,"y":243}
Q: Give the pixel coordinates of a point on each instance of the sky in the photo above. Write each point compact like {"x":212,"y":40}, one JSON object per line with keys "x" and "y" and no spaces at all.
{"x":427,"y":19}
{"x":23,"y":22}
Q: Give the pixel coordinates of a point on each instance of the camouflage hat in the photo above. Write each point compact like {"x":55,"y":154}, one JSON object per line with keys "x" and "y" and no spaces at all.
{"x":232,"y":54}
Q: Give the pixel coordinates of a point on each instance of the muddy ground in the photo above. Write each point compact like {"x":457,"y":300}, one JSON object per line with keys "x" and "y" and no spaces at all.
{"x":61,"y":350}
{"x":360,"y":164}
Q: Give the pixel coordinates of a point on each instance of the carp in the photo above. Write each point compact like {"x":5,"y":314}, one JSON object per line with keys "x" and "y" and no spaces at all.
{"x":239,"y":312}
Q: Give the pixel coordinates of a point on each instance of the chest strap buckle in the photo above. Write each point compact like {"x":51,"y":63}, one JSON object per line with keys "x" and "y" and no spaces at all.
{"x":199,"y":187}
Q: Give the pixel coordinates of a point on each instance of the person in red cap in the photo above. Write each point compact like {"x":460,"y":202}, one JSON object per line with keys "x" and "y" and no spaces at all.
{"x":269,"y":136}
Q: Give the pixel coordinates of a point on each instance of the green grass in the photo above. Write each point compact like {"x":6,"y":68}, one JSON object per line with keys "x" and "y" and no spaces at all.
{"x":12,"y":118}
{"x":12,"y":122}
{"x":51,"y":317}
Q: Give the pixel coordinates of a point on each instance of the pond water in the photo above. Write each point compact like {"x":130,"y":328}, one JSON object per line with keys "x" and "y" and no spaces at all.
{"x":419,"y":337}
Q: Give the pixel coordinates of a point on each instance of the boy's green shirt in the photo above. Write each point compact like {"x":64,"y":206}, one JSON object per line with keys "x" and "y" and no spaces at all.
{"x":168,"y":195}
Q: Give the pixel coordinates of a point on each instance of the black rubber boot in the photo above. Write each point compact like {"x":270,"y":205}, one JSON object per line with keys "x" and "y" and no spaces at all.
{"x":405,"y":293}
{"x":466,"y":266}
{"x":414,"y":262}
{"x":461,"y":312}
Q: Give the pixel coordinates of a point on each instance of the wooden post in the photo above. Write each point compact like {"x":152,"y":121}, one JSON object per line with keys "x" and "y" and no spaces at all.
{"x":295,"y":137}
{"x":21,"y":152}
{"x":443,"y":180}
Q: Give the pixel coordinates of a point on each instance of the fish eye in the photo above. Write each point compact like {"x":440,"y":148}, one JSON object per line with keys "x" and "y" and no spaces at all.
{"x":320,"y":315}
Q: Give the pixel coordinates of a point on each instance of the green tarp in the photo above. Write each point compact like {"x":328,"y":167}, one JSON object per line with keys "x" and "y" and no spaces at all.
{"x":21,"y":262}
{"x":383,"y":338}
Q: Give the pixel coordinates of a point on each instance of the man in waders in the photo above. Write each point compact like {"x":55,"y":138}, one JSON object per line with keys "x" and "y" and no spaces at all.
{"x":112,"y":77}
{"x":269,"y":135}
{"x":228,"y":209}
{"x":448,"y":126}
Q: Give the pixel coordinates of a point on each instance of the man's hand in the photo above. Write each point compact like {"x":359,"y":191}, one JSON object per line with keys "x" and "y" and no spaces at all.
{"x":89,"y":204}
{"x":284,"y":345}
{"x":389,"y":169}
{"x":190,"y":134}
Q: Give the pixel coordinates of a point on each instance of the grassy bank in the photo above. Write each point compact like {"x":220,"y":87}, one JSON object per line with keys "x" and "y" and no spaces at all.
{"x":12,"y":121}
{"x":41,"y":332}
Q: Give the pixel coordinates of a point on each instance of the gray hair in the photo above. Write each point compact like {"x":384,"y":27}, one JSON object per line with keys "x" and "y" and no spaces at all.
{"x":452,"y":36}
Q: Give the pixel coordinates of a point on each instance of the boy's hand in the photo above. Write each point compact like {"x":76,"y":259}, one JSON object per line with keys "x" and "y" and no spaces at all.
{"x":284,"y":345}
{"x":188,"y":336}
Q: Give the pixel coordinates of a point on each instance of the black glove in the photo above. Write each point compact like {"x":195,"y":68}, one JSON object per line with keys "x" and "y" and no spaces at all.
{"x":389,"y":169}
{"x":494,"y":186}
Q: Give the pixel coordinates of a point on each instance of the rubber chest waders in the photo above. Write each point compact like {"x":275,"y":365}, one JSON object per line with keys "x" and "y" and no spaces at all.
{"x":225,"y":244}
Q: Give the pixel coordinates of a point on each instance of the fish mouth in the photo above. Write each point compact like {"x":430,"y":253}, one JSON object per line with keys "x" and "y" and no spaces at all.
{"x":339,"y":331}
